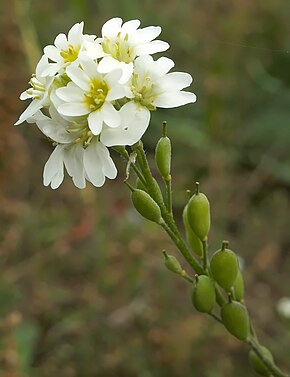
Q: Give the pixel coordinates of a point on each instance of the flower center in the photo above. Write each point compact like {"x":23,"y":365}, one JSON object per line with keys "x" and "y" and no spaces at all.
{"x":37,"y":88}
{"x":144,"y":91}
{"x":97,"y":95}
{"x":71,"y":54}
{"x":119,"y":48}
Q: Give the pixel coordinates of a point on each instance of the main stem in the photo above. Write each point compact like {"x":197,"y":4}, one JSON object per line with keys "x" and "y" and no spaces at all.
{"x":170,"y":226}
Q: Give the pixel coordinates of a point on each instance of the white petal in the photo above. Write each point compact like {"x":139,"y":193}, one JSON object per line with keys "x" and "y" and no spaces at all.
{"x":127,"y":69}
{"x":93,"y":165}
{"x":134,"y":122}
{"x":146,"y":34}
{"x":93,"y":50}
{"x":75,"y":34}
{"x":70,"y":93}
{"x":73,"y":109}
{"x":61,"y":41}
{"x":152,"y":47}
{"x":112,"y":27}
{"x":175,"y":81}
{"x":174,"y":99}
{"x":33,"y":107}
{"x":130,"y":26}
{"x":113,"y":77}
{"x":110,"y":115}
{"x":90,"y":68}
{"x":78,"y":77}
{"x":163,"y":65}
{"x":24,"y":96}
{"x":53,"y":169}
{"x":54,"y":129}
{"x":118,"y":92}
{"x":51,"y":69}
{"x":73,"y":160}
{"x":108,"y":64}
{"x":108,"y":166}
{"x":41,"y":66}
{"x":52,"y":53}
{"x":95,"y":121}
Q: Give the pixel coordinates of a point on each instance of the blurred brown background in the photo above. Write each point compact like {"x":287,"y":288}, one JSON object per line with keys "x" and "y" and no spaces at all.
{"x":83,"y":289}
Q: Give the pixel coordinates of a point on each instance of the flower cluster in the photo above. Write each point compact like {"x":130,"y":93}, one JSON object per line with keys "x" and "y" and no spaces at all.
{"x":90,"y":93}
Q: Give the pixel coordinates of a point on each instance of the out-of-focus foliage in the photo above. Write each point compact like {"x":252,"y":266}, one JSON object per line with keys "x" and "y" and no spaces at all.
{"x":83,"y":290}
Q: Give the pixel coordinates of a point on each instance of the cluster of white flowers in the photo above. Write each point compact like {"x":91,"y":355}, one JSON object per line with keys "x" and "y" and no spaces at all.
{"x":89,"y":93}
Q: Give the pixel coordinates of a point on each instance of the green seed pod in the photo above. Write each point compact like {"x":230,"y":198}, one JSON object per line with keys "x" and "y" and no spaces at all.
{"x":163,"y":156}
{"x":198,"y":213}
{"x":235,"y":318}
{"x":140,"y":185}
{"x":224,"y":267}
{"x":239,"y":287}
{"x":203,"y":294}
{"x":146,"y":206}
{"x":172,"y":263}
{"x":257,"y":364}
{"x":194,"y":242}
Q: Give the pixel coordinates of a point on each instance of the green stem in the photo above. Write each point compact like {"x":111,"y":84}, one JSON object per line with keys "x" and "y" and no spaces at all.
{"x":276,"y":372}
{"x":183,"y":249}
{"x":123,"y":152}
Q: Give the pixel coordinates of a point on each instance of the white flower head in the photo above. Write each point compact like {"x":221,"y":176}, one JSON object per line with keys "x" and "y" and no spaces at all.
{"x":152,"y":86}
{"x":66,"y":49}
{"x":82,"y":154}
{"x":39,"y":91}
{"x":90,"y":94}
{"x":124,"y":42}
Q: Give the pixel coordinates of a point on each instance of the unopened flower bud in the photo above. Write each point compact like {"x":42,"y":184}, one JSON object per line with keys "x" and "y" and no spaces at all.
{"x":257,"y":364}
{"x":239,"y":287}
{"x":236,"y":320}
{"x":224,"y":267}
{"x":194,"y":242}
{"x":146,"y":206}
{"x":163,"y":157}
{"x":203,"y":294}
{"x":172,"y":263}
{"x":198,"y":212}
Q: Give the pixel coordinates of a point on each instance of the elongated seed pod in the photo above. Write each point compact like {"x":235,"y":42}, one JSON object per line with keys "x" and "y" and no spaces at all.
{"x":236,"y":320}
{"x":163,"y":156}
{"x":198,"y":212}
{"x":257,"y":364}
{"x":239,"y":287}
{"x":194,"y":242}
{"x":146,"y":206}
{"x":224,"y":267}
{"x":203,"y":294}
{"x":172,"y":263}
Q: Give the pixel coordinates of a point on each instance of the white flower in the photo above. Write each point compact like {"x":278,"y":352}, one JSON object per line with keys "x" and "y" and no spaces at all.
{"x":152,"y":86}
{"x":82,"y":154}
{"x":66,"y":49}
{"x":123,"y":43}
{"x":91,"y":93}
{"x":39,"y":91}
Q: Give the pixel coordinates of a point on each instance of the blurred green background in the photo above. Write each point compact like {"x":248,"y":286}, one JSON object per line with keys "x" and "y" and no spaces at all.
{"x":83,"y":289}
